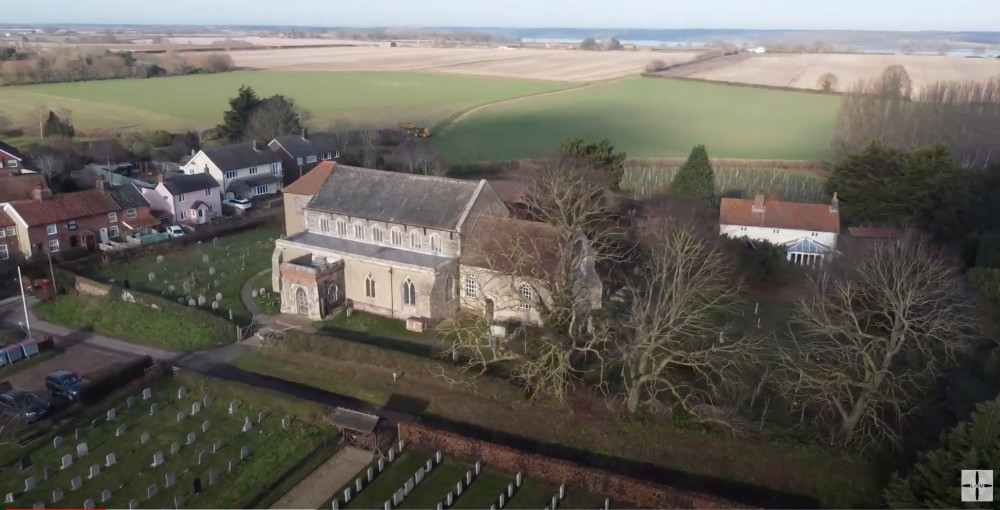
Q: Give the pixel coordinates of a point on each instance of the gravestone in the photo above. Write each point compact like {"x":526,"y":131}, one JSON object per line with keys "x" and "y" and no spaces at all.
{"x":493,"y":507}
{"x":244,"y":453}
{"x":216,"y":446}
{"x":335,"y":505}
{"x":120,"y":431}
{"x":439,"y":507}
{"x":133,"y":504}
{"x":81,"y":450}
{"x":201,"y":458}
{"x":234,"y":407}
{"x":95,"y":471}
{"x":260,"y":416}
{"x":218,"y":296}
{"x":284,"y":423}
{"x":153,"y":408}
{"x":76,"y":483}
{"x":517,"y":479}
{"x":215,"y":306}
{"x":159,"y":259}
{"x":468,"y":477}
{"x":429,"y":465}
{"x":347,"y":495}
{"x":357,"y":484}
{"x":381,"y":465}
{"x":112,"y":414}
{"x":196,"y":486}
{"x":392,"y":455}
{"x":607,"y":503}
{"x":212,"y":476}
{"x":57,"y":442}
{"x":510,"y":490}
{"x":479,"y":467}
{"x":190,"y":438}
{"x":38,"y":504}
{"x":25,"y":462}
{"x":232,"y":464}
{"x":437,"y":457}
{"x":110,"y":460}
{"x":130,"y":401}
{"x":151,"y":491}
{"x":77,"y":433}
{"x":157,"y":459}
{"x":178,"y":501}
{"x":419,"y":476}
{"x":169,"y":480}
{"x":195,"y":408}
{"x":555,"y":501}
{"x":147,"y":393}
{"x":388,"y":505}
{"x":174,"y":448}
{"x":408,"y":486}
{"x":206,"y":401}
{"x":398,"y":497}
{"x":48,"y":472}
{"x":458,"y":488}
{"x":204,"y":258}
{"x":371,"y":474}
{"x":57,"y":495}
{"x":180,"y":416}
{"x":105,"y":495}
{"x":449,"y":499}
{"x":205,"y":425}
{"x":67,"y":461}
{"x":192,"y":302}
{"x":144,"y":438}
{"x":562,"y":492}
{"x":247,"y":426}
{"x":400,"y":445}
{"x":29,"y":483}
{"x":503,"y":499}
{"x":202,"y":300}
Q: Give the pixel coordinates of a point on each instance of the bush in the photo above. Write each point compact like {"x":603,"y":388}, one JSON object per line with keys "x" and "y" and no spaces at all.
{"x":161,"y":138}
{"x":113,"y":379}
{"x":656,"y":65}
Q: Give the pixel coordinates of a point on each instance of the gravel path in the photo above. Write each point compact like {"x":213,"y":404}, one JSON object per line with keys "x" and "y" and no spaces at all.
{"x":319,"y":486}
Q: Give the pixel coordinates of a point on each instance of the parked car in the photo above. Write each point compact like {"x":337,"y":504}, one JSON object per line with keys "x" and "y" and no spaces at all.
{"x":239,"y":203}
{"x":63,"y":383}
{"x":22,"y":404}
{"x":175,"y":231}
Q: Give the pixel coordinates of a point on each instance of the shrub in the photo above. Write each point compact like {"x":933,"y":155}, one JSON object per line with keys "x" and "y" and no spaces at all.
{"x":114,"y":378}
{"x":656,"y":65}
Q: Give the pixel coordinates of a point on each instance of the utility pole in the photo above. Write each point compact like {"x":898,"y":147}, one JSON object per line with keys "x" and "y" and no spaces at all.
{"x":24,"y":301}
{"x":52,"y":271}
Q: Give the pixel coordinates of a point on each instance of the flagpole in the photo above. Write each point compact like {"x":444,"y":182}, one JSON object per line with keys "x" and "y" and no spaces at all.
{"x":24,"y":301}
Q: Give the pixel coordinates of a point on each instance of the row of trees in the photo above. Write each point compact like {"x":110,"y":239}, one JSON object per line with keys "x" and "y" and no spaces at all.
{"x":71,"y":64}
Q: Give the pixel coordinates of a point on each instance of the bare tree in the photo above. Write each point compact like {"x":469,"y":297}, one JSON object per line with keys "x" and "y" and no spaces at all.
{"x":48,"y":164}
{"x":416,"y":157}
{"x":827,"y":82}
{"x":368,"y":138}
{"x":676,"y":339}
{"x":276,"y":116}
{"x":868,"y":343}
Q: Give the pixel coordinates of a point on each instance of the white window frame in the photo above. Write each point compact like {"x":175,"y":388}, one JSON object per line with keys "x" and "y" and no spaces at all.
{"x":4,"y":252}
{"x":114,"y":231}
{"x":181,"y":198}
{"x":184,"y":214}
{"x":359,"y":230}
{"x":415,"y":241}
{"x":231,"y":174}
{"x":275,"y":168}
{"x":131,"y":214}
{"x":298,"y":161}
{"x":51,"y":229}
{"x":342,"y":228}
{"x":11,"y":231}
{"x":12,"y":163}
{"x":397,"y":237}
{"x":470,"y":286}
{"x":53,"y":245}
{"x":409,"y":293}
{"x":112,"y":217}
{"x":253,"y":170}
{"x":527,"y":295}
{"x":370,"y":286}
{"x":310,"y":159}
{"x":3,"y":232}
{"x":260,"y":190}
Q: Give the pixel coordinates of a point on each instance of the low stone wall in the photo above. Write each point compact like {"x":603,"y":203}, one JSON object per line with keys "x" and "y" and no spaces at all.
{"x":89,"y":287}
{"x":636,"y":492}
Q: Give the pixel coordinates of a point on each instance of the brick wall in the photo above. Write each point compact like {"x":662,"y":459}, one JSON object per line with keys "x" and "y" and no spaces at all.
{"x":554,"y":471}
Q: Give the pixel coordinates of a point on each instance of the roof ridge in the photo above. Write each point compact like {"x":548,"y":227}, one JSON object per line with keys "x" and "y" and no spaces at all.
{"x":405,"y":175}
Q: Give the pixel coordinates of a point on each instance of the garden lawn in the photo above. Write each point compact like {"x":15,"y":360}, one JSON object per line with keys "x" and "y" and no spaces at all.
{"x":168,"y":328}
{"x":436,"y":485}
{"x":649,"y":117}
{"x":274,"y":451}
{"x":198,"y":101}
{"x":235,"y":258}
{"x":268,"y":303}
{"x":372,"y":325}
{"x":394,"y":476}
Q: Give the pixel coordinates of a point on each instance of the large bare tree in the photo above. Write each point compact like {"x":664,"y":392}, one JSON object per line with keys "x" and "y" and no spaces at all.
{"x":677,"y":339}
{"x":416,"y":157}
{"x":276,"y":116}
{"x":868,"y":341}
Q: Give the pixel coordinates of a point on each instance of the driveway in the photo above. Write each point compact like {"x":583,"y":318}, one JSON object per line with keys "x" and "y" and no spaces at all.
{"x":81,"y":358}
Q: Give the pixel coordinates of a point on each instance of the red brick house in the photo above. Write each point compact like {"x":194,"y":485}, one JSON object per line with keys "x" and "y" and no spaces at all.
{"x":58,"y":222}
{"x":301,"y":153}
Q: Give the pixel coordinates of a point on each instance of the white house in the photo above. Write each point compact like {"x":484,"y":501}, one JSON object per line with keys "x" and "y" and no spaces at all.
{"x":244,"y":170}
{"x":808,"y":232}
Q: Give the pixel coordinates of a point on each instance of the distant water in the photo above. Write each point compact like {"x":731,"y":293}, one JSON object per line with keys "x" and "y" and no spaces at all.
{"x":644,"y":43}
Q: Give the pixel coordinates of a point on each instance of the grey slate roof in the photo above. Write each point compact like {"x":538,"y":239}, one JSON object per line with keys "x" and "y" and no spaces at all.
{"x":189,"y":183}
{"x":417,"y":200}
{"x":241,"y":155}
{"x":314,"y":145}
{"x":127,"y":196}
{"x":370,"y":250}
{"x":11,"y":150}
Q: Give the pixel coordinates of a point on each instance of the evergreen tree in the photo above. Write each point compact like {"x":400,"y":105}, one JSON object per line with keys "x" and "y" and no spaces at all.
{"x":241,"y":107}
{"x":933,"y":481}
{"x":54,"y":126}
{"x":599,"y":156}
{"x":695,"y":181}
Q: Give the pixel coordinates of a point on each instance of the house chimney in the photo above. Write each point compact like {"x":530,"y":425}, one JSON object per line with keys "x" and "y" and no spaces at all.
{"x":159,"y":177}
{"x":99,"y":184}
{"x":758,"y":201}
{"x":834,"y":204}
{"x":40,"y":194}
{"x":305,"y":134}
{"x":255,"y":146}
{"x":193,"y":152}
{"x":205,"y":169}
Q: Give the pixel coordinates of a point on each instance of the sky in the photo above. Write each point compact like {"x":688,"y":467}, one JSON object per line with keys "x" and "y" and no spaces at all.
{"x":949,"y":15}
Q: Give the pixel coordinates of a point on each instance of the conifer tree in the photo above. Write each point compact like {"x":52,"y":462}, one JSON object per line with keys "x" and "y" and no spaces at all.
{"x":241,"y":107}
{"x":695,"y":180}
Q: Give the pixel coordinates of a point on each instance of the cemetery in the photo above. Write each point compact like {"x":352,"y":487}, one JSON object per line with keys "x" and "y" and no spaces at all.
{"x":207,"y":275}
{"x":174,"y":443}
{"x":410,"y":476}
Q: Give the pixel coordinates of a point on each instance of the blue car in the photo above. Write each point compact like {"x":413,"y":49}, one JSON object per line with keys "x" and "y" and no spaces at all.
{"x":66,"y":384}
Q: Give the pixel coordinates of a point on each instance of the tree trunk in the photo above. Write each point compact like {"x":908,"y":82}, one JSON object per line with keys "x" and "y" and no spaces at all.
{"x":852,"y":419}
{"x":634,"y":394}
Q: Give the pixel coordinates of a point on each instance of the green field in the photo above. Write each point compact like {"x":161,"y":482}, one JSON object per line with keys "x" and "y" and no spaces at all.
{"x":197,"y":101}
{"x":649,"y":117}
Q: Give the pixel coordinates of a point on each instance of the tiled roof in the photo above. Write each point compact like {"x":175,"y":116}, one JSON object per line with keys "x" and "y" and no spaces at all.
{"x":776,"y":214}
{"x":369,"y":250}
{"x":67,"y":206}
{"x":512,"y":246}
{"x":127,"y":196}
{"x":19,"y":187}
{"x":11,"y":150}
{"x":143,"y":219}
{"x":241,"y":155}
{"x":5,"y":220}
{"x":181,"y":184}
{"x":312,"y":181}
{"x":314,"y":145}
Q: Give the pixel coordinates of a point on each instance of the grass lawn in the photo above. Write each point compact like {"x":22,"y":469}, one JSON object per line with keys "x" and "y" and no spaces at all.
{"x":189,"y":102}
{"x":649,"y":117}
{"x":274,"y":451}
{"x":269,"y":303}
{"x":486,"y":487}
{"x":185,"y":264}
{"x":373,"y":325}
{"x":164,"y":328}
{"x":394,"y":476}
{"x":432,"y":490}
{"x":695,"y":459}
